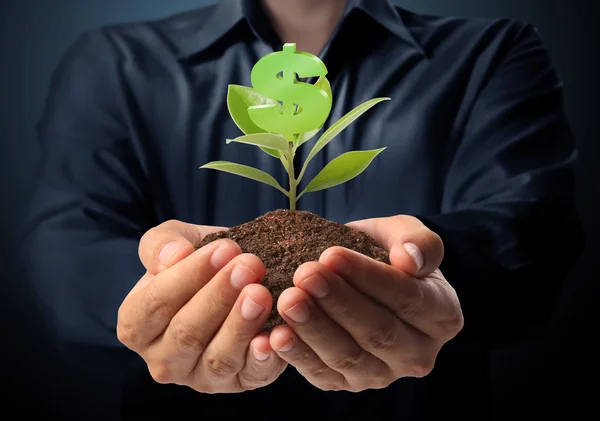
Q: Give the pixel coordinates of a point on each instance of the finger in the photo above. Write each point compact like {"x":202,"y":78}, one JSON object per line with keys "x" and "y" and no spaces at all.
{"x":293,"y":350}
{"x":196,"y":323}
{"x":334,"y":345}
{"x":170,"y":242}
{"x":263,"y":365}
{"x":413,"y":247}
{"x":147,"y":310}
{"x":426,"y":304}
{"x":374,"y":327}
{"x":226,"y":354}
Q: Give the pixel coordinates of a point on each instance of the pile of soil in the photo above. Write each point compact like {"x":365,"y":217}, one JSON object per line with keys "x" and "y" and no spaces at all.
{"x":285,"y":239}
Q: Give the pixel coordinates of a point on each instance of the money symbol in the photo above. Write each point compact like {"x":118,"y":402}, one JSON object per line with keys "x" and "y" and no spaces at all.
{"x":305,"y":106}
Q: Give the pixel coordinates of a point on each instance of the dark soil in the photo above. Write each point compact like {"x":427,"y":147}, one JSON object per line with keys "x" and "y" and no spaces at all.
{"x":285,"y":239}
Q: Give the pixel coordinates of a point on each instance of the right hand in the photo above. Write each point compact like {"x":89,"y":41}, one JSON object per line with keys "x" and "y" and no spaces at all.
{"x":196,"y":316}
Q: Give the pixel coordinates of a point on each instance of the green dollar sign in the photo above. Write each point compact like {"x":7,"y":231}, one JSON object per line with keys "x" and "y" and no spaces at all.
{"x":305,"y":106}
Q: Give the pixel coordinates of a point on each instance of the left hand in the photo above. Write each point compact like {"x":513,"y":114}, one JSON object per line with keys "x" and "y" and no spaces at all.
{"x":354,"y":323}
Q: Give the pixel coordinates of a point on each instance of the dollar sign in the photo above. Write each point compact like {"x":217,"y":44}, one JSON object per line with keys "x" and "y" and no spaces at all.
{"x":305,"y":106}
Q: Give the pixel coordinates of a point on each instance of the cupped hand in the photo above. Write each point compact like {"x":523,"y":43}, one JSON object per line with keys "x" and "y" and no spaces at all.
{"x":353,"y":323}
{"x":196,"y":316}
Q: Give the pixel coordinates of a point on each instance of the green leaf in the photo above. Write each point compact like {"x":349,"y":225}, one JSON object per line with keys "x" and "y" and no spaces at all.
{"x":239,"y":98}
{"x":273,"y":152}
{"x":245,"y":171}
{"x":307,"y":136}
{"x":340,"y":125}
{"x":324,"y":84}
{"x":271,"y":143}
{"x":341,"y":169}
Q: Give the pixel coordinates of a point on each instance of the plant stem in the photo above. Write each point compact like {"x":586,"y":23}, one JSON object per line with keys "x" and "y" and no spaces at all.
{"x":302,"y":172}
{"x":293,"y":182}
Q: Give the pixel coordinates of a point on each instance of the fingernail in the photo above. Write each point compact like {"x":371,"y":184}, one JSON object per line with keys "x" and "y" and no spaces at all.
{"x":250,"y":309}
{"x":288,"y":345}
{"x":415,"y":253}
{"x":298,"y":313}
{"x":242,"y":276}
{"x":316,"y":285}
{"x":221,"y":256}
{"x":260,"y":356}
{"x":169,"y":251}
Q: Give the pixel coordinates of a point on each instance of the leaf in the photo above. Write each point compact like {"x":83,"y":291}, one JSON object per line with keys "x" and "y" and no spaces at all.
{"x":245,"y":171}
{"x":340,"y":125}
{"x":269,"y":141}
{"x":307,"y":136}
{"x":239,"y":98}
{"x":341,"y":169}
{"x":273,"y":152}
{"x":324,"y":84}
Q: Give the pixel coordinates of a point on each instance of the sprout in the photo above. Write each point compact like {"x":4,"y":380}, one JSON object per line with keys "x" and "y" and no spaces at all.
{"x":284,"y":146}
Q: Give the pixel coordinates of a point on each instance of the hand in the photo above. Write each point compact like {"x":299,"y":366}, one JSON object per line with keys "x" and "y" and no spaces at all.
{"x":195,"y":317}
{"x":354,"y":323}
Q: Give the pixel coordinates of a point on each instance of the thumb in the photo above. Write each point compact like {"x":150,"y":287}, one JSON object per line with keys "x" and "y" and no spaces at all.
{"x":170,"y":242}
{"x":413,"y":247}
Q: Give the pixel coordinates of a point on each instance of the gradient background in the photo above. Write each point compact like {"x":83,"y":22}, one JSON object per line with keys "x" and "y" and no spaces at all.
{"x":544,"y":374}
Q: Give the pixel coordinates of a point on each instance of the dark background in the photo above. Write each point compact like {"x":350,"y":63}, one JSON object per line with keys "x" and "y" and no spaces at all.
{"x":544,"y":375}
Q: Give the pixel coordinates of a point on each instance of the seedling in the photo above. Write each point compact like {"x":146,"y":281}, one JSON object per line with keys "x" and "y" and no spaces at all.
{"x":280,"y":126}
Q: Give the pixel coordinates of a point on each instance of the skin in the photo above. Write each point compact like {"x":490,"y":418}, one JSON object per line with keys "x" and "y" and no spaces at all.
{"x":308,"y":23}
{"x":195,"y":316}
{"x":353,"y":323}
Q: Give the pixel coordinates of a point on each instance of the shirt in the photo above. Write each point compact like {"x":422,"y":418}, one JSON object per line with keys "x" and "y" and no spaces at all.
{"x":478,"y":148}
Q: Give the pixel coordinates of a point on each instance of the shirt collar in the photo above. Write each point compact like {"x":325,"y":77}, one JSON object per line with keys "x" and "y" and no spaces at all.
{"x":386,"y":14}
{"x":228,"y":14}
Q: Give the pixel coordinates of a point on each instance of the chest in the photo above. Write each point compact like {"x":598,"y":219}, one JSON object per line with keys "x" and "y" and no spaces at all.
{"x":416,"y":126}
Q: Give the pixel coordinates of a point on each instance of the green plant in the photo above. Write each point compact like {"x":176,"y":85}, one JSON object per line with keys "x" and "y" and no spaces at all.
{"x":283,"y":146}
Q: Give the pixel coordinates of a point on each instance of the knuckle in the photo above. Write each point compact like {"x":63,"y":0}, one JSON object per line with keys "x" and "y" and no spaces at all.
{"x":344,"y":312}
{"x":186,"y":338}
{"x":155,"y":306}
{"x":220,"y":303}
{"x":453,"y":325}
{"x":421,"y":367}
{"x":127,"y":336}
{"x":219,"y":366}
{"x":172,"y":225}
{"x":126,"y":333}
{"x":346,"y":362}
{"x":409,"y":220}
{"x":160,"y":373}
{"x":302,"y":358}
{"x":205,"y":387}
{"x":409,"y":305}
{"x":318,"y":371}
{"x":380,"y":382}
{"x":331,"y":387}
{"x":250,"y":380}
{"x":149,"y":238}
{"x":383,"y":338}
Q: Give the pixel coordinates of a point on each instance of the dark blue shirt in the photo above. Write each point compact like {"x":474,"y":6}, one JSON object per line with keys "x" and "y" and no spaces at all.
{"x":477,"y":147}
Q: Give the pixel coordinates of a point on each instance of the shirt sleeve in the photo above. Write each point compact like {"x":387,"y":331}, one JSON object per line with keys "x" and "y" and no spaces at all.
{"x":90,"y":205}
{"x":508,"y":219}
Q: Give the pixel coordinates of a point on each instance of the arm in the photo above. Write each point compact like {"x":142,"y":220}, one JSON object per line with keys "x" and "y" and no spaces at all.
{"x":90,"y":205}
{"x":504,"y":241}
{"x":508,"y":219}
{"x":93,"y":250}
